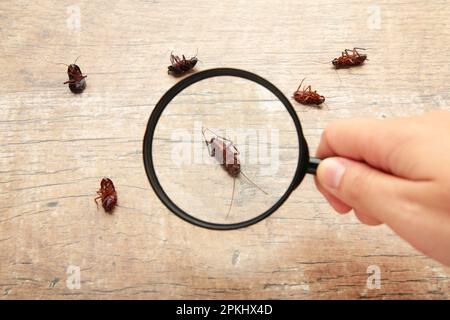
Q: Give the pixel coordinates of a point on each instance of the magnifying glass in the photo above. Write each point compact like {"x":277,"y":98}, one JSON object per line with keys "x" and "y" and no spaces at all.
{"x":224,"y":149}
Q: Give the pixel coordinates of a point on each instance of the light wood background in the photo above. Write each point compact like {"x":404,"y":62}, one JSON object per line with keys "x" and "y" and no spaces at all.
{"x":55,"y":146}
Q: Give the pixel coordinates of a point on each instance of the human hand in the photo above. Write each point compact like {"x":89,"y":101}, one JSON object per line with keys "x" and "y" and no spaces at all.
{"x":392,"y":171}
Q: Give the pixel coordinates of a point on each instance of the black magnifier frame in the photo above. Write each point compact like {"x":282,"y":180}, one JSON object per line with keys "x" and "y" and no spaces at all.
{"x":305,"y":163}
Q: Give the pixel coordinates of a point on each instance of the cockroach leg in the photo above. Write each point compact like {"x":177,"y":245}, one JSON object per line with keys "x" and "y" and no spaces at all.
{"x":300,"y":84}
{"x":96,"y":202}
{"x":236,"y":149}
{"x":355,"y":53}
{"x":207,"y":144}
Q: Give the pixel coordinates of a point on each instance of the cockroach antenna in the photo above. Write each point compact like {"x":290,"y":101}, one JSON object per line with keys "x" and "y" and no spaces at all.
{"x":252,"y":182}
{"x":57,"y":63}
{"x":232,"y":198}
{"x":321,"y":62}
{"x":328,"y":62}
{"x":76,"y":60}
{"x":196,"y":54}
{"x":339,"y":77}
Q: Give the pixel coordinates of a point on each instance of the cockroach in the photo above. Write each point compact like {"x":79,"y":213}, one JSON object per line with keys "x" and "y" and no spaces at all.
{"x":227,"y":155}
{"x":349,"y":58}
{"x":180,"y":66}
{"x":306,"y":96}
{"x":107,"y":194}
{"x":77,"y":82}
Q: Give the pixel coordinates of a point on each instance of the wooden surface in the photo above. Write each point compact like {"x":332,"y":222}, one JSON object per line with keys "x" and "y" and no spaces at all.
{"x":56,"y":146}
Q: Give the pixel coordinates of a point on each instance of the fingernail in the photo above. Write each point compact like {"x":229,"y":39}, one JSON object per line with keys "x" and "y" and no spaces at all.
{"x":330,"y":172}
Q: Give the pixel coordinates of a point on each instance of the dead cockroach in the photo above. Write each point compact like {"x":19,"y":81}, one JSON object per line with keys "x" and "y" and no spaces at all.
{"x":107,"y":194}
{"x":307,"y":96}
{"x":349,"y":58}
{"x":227,"y":155}
{"x":180,"y":66}
{"x":77,"y":82}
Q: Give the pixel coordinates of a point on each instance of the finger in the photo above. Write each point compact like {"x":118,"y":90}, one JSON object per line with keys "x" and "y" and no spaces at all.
{"x":367,"y":219}
{"x":365,"y":189}
{"x":376,"y":142}
{"x":337,"y":204}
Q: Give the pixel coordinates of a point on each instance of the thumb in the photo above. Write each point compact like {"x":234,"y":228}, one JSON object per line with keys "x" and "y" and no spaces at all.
{"x":370,"y":192}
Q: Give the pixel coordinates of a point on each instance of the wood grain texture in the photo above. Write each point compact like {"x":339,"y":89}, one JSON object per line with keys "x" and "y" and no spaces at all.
{"x":56,"y":146}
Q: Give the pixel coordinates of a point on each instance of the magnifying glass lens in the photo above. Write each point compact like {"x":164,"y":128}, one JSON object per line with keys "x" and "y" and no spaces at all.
{"x":225,"y":150}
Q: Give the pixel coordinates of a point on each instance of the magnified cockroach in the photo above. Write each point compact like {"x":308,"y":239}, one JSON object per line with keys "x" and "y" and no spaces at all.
{"x":227,"y":155}
{"x":180,"y":66}
{"x":349,"y":58}
{"x":77,"y":82}
{"x":307,"y":97}
{"x":107,"y":194}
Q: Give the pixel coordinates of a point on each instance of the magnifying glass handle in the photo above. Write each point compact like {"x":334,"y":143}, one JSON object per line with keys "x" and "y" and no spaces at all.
{"x":313,"y":164}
